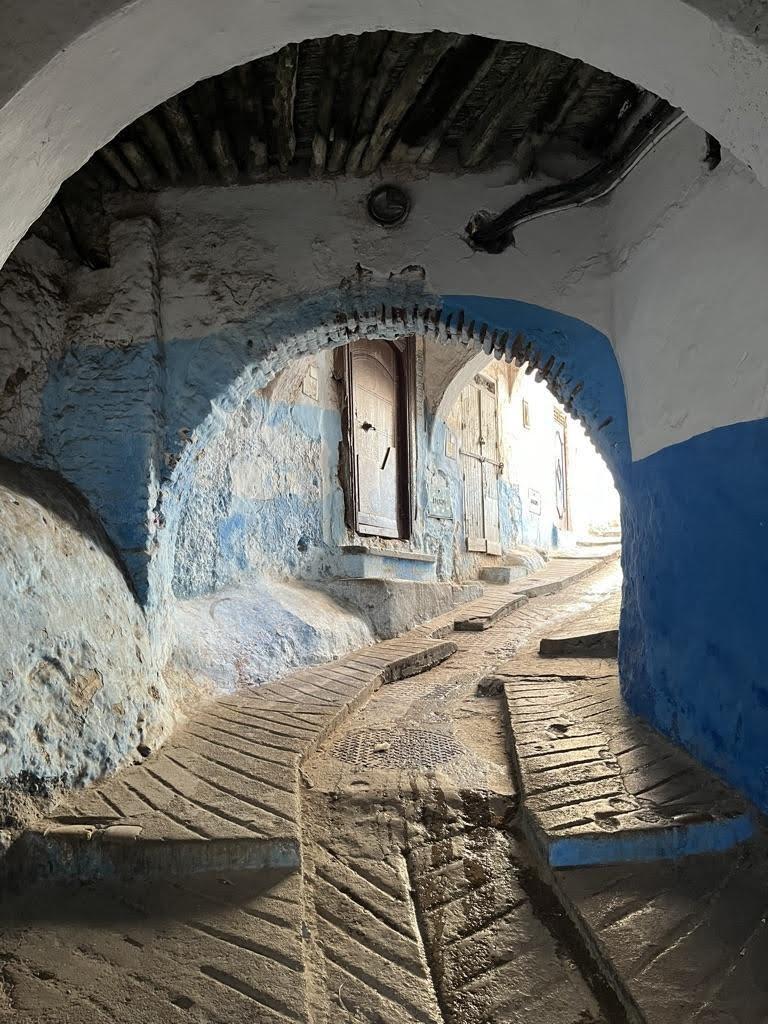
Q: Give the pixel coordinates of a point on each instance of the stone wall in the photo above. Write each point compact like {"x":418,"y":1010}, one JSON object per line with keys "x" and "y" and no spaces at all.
{"x":81,"y":693}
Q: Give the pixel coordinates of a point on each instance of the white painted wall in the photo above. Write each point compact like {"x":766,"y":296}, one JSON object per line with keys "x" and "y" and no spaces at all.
{"x":689,"y":250}
{"x":528,"y":455}
{"x":226,"y":253}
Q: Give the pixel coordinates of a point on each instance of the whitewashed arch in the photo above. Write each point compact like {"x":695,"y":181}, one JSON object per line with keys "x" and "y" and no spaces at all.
{"x":74,"y":74}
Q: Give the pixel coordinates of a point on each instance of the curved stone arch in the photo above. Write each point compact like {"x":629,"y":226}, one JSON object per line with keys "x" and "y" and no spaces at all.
{"x":575,"y":360}
{"x":701,"y":55}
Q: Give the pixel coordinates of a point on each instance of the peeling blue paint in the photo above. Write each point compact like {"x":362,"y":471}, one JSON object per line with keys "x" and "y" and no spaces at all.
{"x":654,"y":844}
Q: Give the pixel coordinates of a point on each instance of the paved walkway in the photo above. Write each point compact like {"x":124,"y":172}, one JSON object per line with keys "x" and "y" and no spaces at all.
{"x":345,"y":846}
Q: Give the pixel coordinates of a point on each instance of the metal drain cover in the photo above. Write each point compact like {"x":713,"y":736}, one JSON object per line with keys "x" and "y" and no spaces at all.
{"x":396,"y":748}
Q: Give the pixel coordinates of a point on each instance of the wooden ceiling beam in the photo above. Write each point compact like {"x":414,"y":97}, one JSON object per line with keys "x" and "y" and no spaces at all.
{"x":331,"y":59}
{"x":182,"y":132}
{"x":115,"y":162}
{"x":254,"y":120}
{"x":160,"y":146}
{"x":353,"y":90}
{"x":141,"y":164}
{"x":515,"y":92}
{"x":223,"y":155}
{"x":416,"y":74}
{"x":283,"y":101}
{"x":541,"y":132}
{"x":374,"y":95}
{"x":426,"y":149}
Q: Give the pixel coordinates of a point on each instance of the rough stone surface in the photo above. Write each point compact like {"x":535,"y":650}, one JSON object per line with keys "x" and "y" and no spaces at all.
{"x":593,"y":635}
{"x":395,"y":606}
{"x":223,"y":793}
{"x":601,"y":786}
{"x":688,"y":939}
{"x":80,"y":689}
{"x":261,"y":628}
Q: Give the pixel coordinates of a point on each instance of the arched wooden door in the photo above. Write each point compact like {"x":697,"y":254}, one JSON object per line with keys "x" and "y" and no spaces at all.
{"x":376,"y":415}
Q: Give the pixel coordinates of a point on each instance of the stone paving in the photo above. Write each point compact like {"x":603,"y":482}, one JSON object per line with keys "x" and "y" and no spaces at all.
{"x":224,"y":791}
{"x":592,"y":635}
{"x":688,"y":939}
{"x":502,"y":600}
{"x":331,"y":849}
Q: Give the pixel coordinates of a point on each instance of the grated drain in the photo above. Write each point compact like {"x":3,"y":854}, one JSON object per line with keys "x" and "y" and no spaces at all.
{"x":396,"y":748}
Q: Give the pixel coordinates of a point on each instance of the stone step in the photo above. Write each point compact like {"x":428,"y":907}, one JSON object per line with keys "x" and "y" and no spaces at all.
{"x":603,"y":644}
{"x":483,"y":614}
{"x":599,"y":786}
{"x":499,"y":601}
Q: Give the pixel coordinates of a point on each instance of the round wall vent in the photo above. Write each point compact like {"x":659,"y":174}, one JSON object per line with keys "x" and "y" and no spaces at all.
{"x":389,"y":205}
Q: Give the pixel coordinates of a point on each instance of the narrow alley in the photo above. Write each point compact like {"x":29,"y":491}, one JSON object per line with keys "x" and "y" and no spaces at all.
{"x":377,"y":840}
{"x":383,"y":535}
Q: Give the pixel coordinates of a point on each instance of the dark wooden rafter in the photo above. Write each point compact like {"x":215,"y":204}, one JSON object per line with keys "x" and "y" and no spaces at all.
{"x":214,"y":128}
{"x":332,"y":54}
{"x":353,"y":90}
{"x":283,"y":99}
{"x":495,"y":234}
{"x":138,"y":159}
{"x":182,"y":132}
{"x":514,"y":92}
{"x":244,"y":116}
{"x":114,"y":160}
{"x":419,"y":69}
{"x":157,"y":140}
{"x":355,"y":104}
{"x":567,"y":97}
{"x":423,"y":135}
{"x":377,"y":87}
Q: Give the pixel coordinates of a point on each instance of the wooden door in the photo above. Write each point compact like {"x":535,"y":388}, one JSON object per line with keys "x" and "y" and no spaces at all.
{"x":561,"y":471}
{"x":480,"y":465}
{"x":375,"y":421}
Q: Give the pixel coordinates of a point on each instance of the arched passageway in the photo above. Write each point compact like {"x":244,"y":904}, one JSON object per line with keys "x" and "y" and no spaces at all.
{"x":207,"y":292}
{"x":169,"y":331}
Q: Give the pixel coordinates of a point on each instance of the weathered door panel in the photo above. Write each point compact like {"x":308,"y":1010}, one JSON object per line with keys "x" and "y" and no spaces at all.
{"x":480,"y":466}
{"x":374,"y":378}
{"x":562,"y":517}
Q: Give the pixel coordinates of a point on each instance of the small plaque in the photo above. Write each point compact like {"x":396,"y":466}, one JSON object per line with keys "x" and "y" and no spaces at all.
{"x":450,"y":445}
{"x":534,"y":501}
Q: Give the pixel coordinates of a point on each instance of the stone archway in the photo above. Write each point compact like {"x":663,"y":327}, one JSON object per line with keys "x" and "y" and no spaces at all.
{"x":576,"y":362}
{"x":703,"y":56}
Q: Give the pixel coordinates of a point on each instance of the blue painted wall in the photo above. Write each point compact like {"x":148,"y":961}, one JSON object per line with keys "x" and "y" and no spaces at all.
{"x":693,"y":652}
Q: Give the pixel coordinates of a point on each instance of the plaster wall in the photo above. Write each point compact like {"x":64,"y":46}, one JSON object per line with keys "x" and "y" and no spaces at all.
{"x":688,"y":254}
{"x":526,"y":482}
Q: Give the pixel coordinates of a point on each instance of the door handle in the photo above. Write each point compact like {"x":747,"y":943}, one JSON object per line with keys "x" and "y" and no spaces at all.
{"x":367,"y":426}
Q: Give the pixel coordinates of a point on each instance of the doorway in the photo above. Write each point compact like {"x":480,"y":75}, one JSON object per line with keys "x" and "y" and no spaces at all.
{"x":480,"y":465}
{"x":378,"y":410}
{"x":562,"y":509}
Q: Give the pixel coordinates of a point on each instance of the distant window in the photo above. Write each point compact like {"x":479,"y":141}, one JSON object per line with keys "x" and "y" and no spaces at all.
{"x":526,"y":414}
